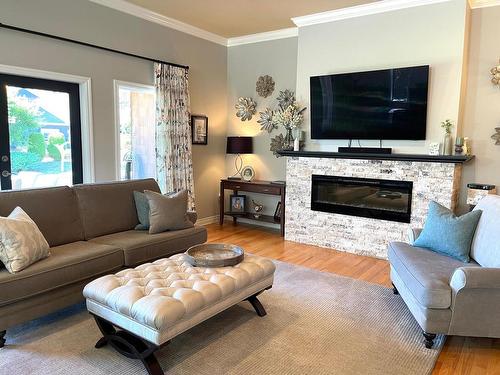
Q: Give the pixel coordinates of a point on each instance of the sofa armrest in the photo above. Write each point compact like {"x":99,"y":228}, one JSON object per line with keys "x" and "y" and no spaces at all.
{"x":192,"y":216}
{"x":413,"y":234}
{"x":475,"y":278}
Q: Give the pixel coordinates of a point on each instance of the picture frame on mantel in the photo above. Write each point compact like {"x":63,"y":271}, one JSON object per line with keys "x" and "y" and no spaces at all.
{"x":199,"y":130}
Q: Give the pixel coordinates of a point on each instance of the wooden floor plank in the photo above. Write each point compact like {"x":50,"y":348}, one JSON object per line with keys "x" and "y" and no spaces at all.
{"x":460,"y":355}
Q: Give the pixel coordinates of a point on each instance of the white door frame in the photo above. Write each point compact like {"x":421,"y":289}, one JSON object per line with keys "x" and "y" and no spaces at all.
{"x":85,"y":109}
{"x":117,"y":84}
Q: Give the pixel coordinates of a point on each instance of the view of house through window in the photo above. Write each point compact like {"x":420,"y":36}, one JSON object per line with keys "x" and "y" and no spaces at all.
{"x":37,"y":139}
{"x":137,"y":131}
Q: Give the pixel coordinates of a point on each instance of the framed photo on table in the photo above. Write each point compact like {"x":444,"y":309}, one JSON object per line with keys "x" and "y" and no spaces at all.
{"x":237,"y":203}
{"x":199,"y":130}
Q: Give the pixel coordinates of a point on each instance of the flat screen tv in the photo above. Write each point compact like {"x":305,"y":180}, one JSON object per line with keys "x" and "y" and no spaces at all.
{"x":381,"y":104}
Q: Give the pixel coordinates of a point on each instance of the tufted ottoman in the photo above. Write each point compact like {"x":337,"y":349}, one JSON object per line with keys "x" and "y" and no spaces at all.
{"x":140,"y":309}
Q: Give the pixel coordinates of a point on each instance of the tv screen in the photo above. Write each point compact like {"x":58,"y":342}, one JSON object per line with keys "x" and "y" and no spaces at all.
{"x":381,"y":104}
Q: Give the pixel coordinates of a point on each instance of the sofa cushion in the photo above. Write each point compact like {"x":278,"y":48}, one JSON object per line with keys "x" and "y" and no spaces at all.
{"x":21,"y":242}
{"x":67,"y":264}
{"x":54,"y":210}
{"x":140,"y":246}
{"x":425,"y":273}
{"x":168,"y":212}
{"x":110,"y":207}
{"x":486,"y":244}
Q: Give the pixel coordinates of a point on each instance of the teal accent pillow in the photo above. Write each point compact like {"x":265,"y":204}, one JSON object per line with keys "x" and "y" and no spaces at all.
{"x":142,"y":207}
{"x":448,"y":234}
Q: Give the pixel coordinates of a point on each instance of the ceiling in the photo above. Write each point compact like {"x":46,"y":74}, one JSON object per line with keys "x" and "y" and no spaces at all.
{"x":232,"y":18}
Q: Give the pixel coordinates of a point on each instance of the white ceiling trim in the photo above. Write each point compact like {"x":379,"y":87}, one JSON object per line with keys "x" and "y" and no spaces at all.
{"x":474,"y":4}
{"x":138,"y":11}
{"x":361,"y":10}
{"x":262,"y":37}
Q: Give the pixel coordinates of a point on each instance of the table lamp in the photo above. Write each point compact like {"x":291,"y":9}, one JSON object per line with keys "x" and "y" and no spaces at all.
{"x":238,"y":146}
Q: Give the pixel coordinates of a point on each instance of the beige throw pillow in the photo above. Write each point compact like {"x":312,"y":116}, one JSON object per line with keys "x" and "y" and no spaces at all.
{"x":21,"y":242}
{"x":167,"y":212}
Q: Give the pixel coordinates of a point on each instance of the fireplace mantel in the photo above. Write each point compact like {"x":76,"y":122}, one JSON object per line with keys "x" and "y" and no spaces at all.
{"x":454,"y":159}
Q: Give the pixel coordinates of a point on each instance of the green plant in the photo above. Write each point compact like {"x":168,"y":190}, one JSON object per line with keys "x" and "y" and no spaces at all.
{"x":52,"y":149}
{"x":447,"y":125}
{"x":22,"y":123}
{"x":23,"y":161}
{"x":36,"y":145}
{"x":57,"y":139}
{"x":53,"y":152}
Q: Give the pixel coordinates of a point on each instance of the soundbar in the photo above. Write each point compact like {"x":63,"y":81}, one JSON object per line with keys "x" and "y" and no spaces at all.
{"x":366,"y":150}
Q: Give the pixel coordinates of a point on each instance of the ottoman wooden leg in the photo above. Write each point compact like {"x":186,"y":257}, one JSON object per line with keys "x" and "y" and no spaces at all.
{"x":2,"y":338}
{"x":129,"y":345}
{"x":259,"y":309}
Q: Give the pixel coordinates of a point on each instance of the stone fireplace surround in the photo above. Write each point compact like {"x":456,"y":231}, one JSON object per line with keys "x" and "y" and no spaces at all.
{"x":437,"y":180}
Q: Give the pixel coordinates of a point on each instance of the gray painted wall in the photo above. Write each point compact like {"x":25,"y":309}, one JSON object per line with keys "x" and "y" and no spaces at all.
{"x":407,"y":37}
{"x":86,"y":21}
{"x":246,"y":63}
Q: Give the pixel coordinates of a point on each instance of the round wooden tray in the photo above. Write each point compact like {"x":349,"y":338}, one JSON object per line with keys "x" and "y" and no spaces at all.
{"x":215,"y":255}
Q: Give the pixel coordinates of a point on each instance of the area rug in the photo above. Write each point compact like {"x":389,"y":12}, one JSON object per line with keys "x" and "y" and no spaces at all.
{"x":317,"y":323}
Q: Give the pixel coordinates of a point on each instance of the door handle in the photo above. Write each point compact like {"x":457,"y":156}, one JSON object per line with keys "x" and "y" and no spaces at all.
{"x":6,"y":173}
{"x":5,"y":158}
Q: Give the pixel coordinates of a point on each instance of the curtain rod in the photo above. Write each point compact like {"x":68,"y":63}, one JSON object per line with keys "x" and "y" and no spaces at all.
{"x":28,"y":31}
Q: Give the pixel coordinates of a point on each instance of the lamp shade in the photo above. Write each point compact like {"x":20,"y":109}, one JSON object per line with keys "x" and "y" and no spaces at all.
{"x":239,"y":145}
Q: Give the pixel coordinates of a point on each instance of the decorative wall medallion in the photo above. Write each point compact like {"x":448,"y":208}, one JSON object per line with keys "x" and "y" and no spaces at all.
{"x":286,"y":98}
{"x":264,"y":86}
{"x":266,"y":120}
{"x":245,"y":108}
{"x":495,"y":72}
{"x":277,"y":144}
{"x":496,"y":136}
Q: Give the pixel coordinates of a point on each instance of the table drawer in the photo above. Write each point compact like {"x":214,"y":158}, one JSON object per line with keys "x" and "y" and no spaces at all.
{"x":263,"y":189}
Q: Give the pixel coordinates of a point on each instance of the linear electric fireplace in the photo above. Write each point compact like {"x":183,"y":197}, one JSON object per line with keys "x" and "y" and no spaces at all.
{"x":372,"y":198}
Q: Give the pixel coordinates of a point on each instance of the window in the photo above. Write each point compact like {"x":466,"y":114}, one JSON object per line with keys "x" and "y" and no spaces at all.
{"x":40,"y":133}
{"x":135,"y":114}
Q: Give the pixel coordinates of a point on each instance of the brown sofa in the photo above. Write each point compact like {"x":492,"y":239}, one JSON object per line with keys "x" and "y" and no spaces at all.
{"x":90,"y":229}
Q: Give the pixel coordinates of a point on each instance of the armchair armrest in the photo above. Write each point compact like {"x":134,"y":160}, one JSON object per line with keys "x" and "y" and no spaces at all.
{"x":475,"y":278}
{"x":413,"y":234}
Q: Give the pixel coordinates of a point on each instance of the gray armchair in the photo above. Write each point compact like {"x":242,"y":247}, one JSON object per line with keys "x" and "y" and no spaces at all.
{"x":447,"y":296}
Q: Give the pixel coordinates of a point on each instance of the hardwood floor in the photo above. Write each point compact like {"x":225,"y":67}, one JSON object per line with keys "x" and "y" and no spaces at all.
{"x":460,"y":355}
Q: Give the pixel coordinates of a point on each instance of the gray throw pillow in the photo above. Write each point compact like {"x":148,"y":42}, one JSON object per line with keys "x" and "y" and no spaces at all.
{"x":167,"y":212}
{"x":142,"y":207}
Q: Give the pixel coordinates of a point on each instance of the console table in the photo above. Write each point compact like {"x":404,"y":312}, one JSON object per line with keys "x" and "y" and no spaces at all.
{"x":261,"y":187}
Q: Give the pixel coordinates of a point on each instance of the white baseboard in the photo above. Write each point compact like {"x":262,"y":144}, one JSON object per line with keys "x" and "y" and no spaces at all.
{"x":207,"y":220}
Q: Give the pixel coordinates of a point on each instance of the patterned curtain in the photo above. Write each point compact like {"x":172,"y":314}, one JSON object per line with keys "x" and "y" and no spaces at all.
{"x":174,"y":162}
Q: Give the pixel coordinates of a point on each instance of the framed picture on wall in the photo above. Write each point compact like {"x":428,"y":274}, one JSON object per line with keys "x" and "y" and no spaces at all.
{"x":199,"y":130}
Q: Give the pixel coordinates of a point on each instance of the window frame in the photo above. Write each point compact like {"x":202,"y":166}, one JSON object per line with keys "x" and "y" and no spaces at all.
{"x":117,"y":85}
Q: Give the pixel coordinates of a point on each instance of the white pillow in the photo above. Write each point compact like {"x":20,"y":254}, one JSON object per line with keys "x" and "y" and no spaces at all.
{"x":21,"y":242}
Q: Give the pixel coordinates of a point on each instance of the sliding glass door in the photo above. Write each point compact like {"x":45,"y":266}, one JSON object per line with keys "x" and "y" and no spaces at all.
{"x":40,"y":133}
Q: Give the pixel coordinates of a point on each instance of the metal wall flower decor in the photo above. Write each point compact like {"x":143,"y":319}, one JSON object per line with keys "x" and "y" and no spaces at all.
{"x":265,"y":86}
{"x":496,"y":136}
{"x":277,"y":144}
{"x":495,"y":72}
{"x":266,"y":120}
{"x":286,"y":98}
{"x":245,"y":108}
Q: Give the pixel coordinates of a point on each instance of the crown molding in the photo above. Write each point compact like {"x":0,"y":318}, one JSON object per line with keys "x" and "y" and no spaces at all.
{"x":138,"y":11}
{"x":262,"y":37}
{"x":475,"y":4}
{"x":361,"y":10}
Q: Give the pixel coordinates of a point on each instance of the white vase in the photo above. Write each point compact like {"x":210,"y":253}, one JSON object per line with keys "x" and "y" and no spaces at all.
{"x":296,"y":144}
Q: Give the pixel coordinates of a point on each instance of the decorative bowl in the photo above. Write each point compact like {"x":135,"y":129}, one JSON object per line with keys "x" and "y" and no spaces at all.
{"x":215,"y":255}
